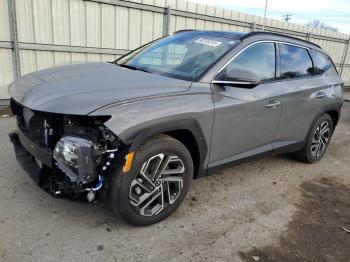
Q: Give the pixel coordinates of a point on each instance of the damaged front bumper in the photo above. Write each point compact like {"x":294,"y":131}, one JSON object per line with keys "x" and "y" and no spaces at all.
{"x":41,"y":166}
{"x":26,"y":153}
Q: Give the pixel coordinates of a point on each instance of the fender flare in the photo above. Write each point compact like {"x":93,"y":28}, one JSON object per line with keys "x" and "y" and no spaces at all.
{"x":186,"y":124}
{"x":322,"y":112}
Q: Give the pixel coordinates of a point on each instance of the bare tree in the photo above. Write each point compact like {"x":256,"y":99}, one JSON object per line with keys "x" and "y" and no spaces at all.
{"x":318,"y":24}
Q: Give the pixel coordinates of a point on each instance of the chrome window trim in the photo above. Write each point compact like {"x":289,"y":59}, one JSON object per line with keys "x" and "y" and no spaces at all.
{"x":252,"y":44}
{"x":230,"y":82}
{"x":300,"y":46}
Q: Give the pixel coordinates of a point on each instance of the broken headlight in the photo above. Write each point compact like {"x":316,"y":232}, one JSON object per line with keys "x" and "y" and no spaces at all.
{"x":75,"y":157}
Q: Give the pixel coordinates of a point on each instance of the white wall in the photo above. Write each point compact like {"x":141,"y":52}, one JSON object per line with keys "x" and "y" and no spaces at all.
{"x":105,"y":26}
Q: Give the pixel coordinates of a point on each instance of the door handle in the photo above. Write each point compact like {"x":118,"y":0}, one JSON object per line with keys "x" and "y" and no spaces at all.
{"x":321,"y":95}
{"x":273,"y":104}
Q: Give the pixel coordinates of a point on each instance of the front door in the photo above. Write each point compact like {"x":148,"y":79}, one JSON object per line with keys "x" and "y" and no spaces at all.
{"x":246,"y":117}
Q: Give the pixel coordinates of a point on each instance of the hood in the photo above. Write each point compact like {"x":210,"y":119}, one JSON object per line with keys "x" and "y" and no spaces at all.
{"x":82,"y":88}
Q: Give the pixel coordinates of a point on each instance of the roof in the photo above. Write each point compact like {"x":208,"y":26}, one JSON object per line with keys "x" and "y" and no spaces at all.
{"x":233,"y":35}
{"x":242,"y":35}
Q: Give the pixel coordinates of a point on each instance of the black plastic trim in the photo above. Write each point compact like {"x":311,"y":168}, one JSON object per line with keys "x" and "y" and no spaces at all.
{"x":25,"y":159}
{"x":324,"y":111}
{"x":281,"y":150}
{"x":212,"y":170}
{"x":43,"y":155}
{"x":185,"y":124}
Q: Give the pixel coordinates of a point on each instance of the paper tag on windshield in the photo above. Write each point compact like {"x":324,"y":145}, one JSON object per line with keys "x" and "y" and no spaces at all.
{"x":209,"y":42}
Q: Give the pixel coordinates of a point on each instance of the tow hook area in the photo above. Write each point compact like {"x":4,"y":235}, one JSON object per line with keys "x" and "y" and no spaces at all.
{"x":93,"y":193}
{"x":91,"y":196}
{"x":13,"y":136}
{"x":56,"y":182}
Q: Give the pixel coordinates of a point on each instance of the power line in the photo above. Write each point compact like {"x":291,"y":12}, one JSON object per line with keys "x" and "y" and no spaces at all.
{"x":287,"y":17}
{"x":264,"y":15}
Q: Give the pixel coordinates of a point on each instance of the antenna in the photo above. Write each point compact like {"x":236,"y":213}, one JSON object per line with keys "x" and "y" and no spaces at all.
{"x":287,"y":17}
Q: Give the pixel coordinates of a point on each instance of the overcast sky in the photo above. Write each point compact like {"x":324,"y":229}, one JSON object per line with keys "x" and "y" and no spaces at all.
{"x":335,"y":13}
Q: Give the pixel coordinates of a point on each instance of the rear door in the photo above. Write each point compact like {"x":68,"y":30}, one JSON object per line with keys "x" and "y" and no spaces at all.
{"x":308,"y":85}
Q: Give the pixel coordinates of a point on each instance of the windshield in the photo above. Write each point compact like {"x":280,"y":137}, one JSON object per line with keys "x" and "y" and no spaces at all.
{"x":184,"y":56}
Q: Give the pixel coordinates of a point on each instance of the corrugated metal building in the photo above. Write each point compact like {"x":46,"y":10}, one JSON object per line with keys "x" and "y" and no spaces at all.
{"x":38,"y":34}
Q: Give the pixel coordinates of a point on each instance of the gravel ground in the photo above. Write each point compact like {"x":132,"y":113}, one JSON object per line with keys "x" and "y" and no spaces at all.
{"x":274,"y":209}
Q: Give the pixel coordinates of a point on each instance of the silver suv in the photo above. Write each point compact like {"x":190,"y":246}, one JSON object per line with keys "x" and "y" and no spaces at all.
{"x":136,"y":131}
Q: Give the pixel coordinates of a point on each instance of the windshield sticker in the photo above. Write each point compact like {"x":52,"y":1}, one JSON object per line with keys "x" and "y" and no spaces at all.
{"x":209,"y":42}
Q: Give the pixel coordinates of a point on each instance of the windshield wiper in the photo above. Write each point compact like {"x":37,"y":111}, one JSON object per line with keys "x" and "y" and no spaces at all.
{"x":133,"y":68}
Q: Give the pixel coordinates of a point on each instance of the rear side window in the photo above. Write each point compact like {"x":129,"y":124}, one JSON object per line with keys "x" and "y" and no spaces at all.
{"x":322,"y":63}
{"x":295,"y":62}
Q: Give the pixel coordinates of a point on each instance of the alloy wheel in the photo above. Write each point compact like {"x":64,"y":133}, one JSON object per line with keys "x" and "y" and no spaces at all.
{"x":320,"y":139}
{"x":158,"y":184}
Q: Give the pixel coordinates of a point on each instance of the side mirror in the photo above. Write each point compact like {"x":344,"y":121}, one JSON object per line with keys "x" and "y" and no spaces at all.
{"x":239,"y":77}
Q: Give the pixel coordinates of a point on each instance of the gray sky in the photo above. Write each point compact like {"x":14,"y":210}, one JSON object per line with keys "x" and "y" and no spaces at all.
{"x":335,"y":13}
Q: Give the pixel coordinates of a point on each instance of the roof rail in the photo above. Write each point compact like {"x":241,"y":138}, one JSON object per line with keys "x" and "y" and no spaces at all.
{"x":184,"y":30}
{"x":276,"y":34}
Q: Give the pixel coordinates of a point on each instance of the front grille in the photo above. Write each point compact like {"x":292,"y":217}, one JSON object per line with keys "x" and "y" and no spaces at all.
{"x":31,"y":123}
{"x":36,"y":128}
{"x":36,"y":125}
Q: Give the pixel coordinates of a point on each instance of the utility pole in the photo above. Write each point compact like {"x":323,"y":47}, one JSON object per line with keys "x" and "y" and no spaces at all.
{"x":287,"y":17}
{"x":263,"y":28}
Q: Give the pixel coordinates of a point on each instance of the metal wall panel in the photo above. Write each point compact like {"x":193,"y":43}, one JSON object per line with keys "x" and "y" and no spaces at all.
{"x":347,"y":60}
{"x":62,"y":58}
{"x":28,"y":61}
{"x":78,"y":58}
{"x":93,"y":58}
{"x":25,"y":21}
{"x":45,"y":59}
{"x":6,"y":69}
{"x":157,"y":30}
{"x":60,"y":22}
{"x":122,"y":27}
{"x":93,"y":24}
{"x":4,"y":21}
{"x":108,"y":22}
{"x":77,"y":23}
{"x":147,"y":27}
{"x":135,"y":28}
{"x":56,"y":32}
{"x":42,"y":16}
{"x":108,"y":58}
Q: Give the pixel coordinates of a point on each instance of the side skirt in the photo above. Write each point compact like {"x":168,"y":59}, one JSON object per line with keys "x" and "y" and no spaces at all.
{"x":285,"y":149}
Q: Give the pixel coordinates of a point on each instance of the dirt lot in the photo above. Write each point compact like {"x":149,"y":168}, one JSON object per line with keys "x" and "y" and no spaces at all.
{"x":275,"y":209}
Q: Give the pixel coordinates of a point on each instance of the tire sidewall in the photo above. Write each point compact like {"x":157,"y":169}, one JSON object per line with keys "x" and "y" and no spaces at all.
{"x":324,"y":117}
{"x":124,"y":180}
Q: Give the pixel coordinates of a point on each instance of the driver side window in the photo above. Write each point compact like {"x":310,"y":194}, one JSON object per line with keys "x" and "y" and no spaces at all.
{"x":259,"y":60}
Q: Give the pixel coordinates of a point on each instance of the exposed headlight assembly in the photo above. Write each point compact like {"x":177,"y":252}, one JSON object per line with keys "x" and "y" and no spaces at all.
{"x":75,"y":157}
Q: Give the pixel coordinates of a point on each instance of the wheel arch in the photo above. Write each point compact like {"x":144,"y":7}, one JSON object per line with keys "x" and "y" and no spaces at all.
{"x":334,"y":114}
{"x":187,"y":131}
{"x":187,"y":138}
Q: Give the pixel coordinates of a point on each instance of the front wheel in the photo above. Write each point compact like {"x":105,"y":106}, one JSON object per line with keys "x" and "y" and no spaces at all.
{"x":317,"y":140}
{"x":157,"y":183}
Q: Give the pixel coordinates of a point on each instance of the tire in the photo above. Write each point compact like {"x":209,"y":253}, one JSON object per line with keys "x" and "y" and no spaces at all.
{"x":173,"y":163}
{"x":312,"y":150}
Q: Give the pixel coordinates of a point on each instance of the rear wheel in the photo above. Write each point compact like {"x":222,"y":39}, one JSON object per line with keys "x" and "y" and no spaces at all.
{"x":157,"y":183}
{"x":317,"y":141}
